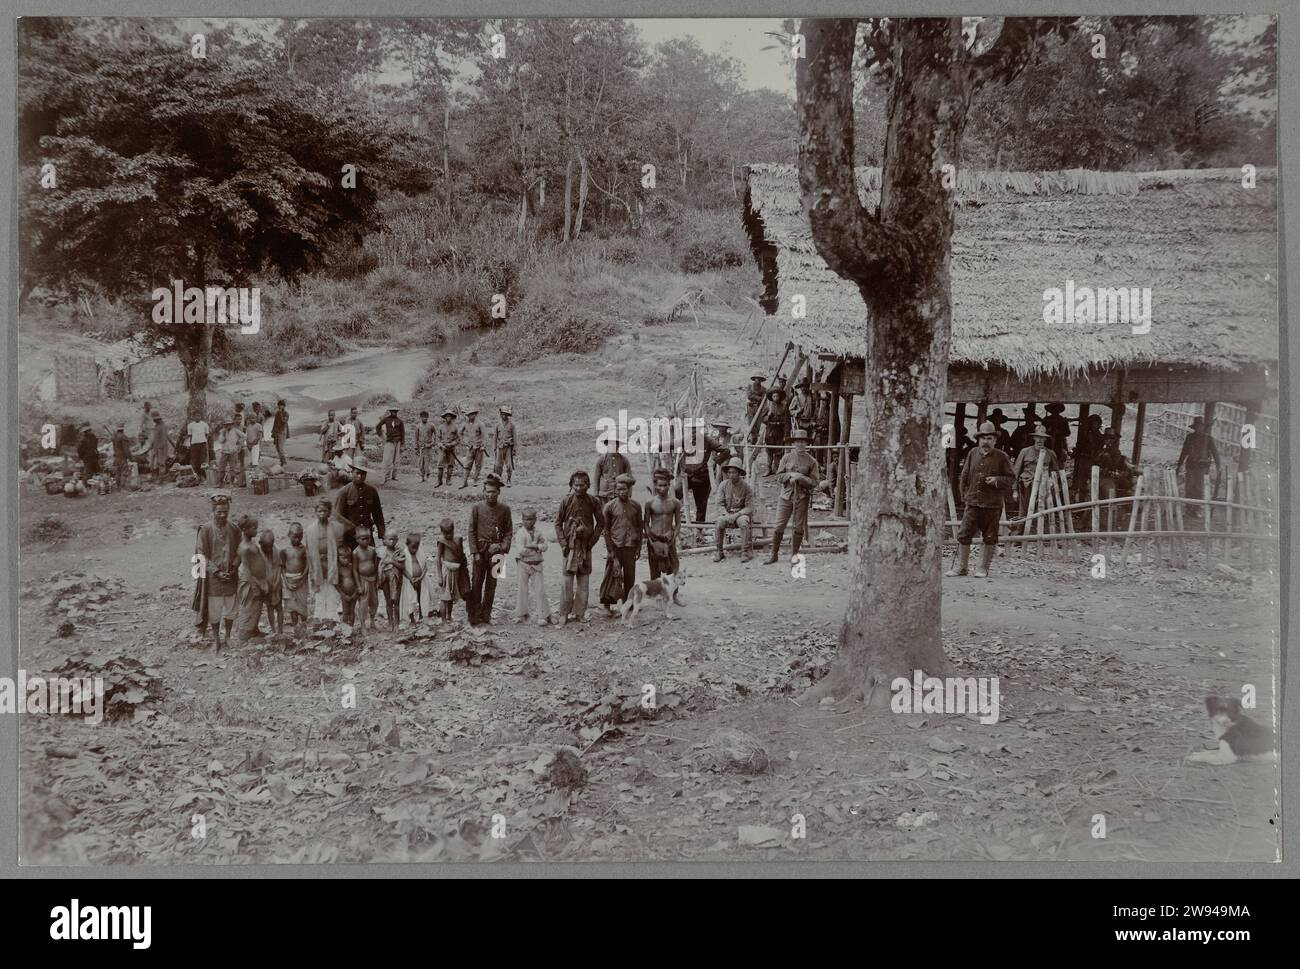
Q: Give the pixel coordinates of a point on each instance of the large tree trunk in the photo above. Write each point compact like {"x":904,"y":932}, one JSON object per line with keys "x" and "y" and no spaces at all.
{"x":900,"y":260}
{"x":194,"y":349}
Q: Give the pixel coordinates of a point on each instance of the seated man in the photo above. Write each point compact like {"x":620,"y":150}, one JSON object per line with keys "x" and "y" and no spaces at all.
{"x":737,"y":510}
{"x":1115,"y":475}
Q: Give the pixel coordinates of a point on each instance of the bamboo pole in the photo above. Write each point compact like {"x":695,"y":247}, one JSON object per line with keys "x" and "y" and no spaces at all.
{"x":1067,"y":516}
{"x":1209,"y":542}
{"x":1132,"y":522}
{"x":1175,"y":510}
{"x":1228,"y":545}
{"x":1094,"y":484}
{"x":1033,"y":497}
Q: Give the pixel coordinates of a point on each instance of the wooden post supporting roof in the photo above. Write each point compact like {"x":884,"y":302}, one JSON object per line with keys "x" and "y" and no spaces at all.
{"x":1137,"y":432}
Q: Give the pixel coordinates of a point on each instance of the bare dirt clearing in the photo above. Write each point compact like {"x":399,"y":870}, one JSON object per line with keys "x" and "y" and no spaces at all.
{"x":457,"y":731}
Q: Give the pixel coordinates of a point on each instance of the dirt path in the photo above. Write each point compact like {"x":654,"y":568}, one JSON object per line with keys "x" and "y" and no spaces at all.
{"x":454,"y":733}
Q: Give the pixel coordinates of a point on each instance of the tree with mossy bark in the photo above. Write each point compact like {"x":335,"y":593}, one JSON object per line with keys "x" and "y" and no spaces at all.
{"x":900,"y":258}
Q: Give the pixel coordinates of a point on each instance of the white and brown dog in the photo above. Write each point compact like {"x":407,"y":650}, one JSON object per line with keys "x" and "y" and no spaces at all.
{"x":1240,"y":738}
{"x":665,"y":588}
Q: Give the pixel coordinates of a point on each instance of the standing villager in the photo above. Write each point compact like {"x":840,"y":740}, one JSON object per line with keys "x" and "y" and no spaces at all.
{"x":146,"y":424}
{"x":1087,"y":446}
{"x":358,"y":506}
{"x":473,"y":436}
{"x":254,"y":583}
{"x":1115,"y":475}
{"x":623,"y":529}
{"x":293,"y":578}
{"x":253,"y":434}
{"x":490,"y":532}
{"x":697,"y":469}
{"x":1058,"y":426}
{"x":803,"y":408}
{"x":199,"y":432}
{"x":1022,"y":436}
{"x":419,"y":581}
{"x":775,"y":423}
{"x":353,"y":437}
{"x":392,"y":432}
{"x":217,"y":545}
{"x":274,"y":582}
{"x":365,"y":559}
{"x":755,"y":399}
{"x":323,"y":537}
{"x":579,"y":524}
{"x":999,"y":420}
{"x":448,"y":438}
{"x":453,"y":571}
{"x":88,"y":450}
{"x":230,"y":445}
{"x":799,"y":475}
{"x":121,"y":456}
{"x":503,"y":445}
{"x":280,"y":431}
{"x":330,"y":431}
{"x":609,"y":466}
{"x":159,"y":448}
{"x":530,"y":548}
{"x":425,"y":433}
{"x":1197,"y":454}
{"x":986,"y":477}
{"x":1026,"y":465}
{"x":735,"y":510}
{"x":663,"y":522}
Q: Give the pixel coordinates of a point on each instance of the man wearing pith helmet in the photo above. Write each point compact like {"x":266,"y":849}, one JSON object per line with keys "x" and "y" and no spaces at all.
{"x":737,"y":510}
{"x":986,"y":478}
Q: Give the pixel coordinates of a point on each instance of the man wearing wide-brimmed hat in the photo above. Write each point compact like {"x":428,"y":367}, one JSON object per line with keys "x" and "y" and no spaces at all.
{"x":392,"y":431}
{"x":986,"y":477}
{"x":754,"y":401}
{"x":473,"y":436}
{"x":736,"y":510}
{"x":217,"y":546}
{"x":799,"y":475}
{"x":448,"y":438}
{"x":357,"y":504}
{"x":803,"y":407}
{"x":1197,"y":453}
{"x":1058,"y":427}
{"x":776,"y":422}
{"x":1026,"y":465}
{"x":608,"y":467}
{"x":503,"y":445}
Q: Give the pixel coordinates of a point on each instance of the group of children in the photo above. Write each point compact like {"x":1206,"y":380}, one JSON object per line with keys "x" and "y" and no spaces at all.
{"x":349,"y":584}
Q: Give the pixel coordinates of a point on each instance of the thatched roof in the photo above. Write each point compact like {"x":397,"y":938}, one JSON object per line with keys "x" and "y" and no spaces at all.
{"x":1206,"y":246}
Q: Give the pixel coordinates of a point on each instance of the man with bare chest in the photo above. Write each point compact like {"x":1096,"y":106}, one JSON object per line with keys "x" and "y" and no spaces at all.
{"x":663,"y":521}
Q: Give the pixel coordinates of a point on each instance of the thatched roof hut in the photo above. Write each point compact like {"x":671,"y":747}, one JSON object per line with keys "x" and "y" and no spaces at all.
{"x":1205,"y":246}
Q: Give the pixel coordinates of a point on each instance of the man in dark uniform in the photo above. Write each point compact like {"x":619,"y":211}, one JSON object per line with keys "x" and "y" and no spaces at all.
{"x":986,"y":477}
{"x":998,"y":419}
{"x":392,"y":431}
{"x":1087,"y":446}
{"x":754,"y":400}
{"x":490,"y":532}
{"x":88,"y":451}
{"x":1022,"y":436}
{"x":357,"y":504}
{"x":775,"y":424}
{"x":1058,"y":429}
{"x":1197,"y":453}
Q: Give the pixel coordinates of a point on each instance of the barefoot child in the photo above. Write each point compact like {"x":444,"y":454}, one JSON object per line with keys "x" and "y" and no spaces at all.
{"x":367,"y":568}
{"x":293,"y":578}
{"x":532,"y":589}
{"x":274,"y":582}
{"x":417,"y":582}
{"x":390,"y":580}
{"x":253,"y":585}
{"x":453,"y":570}
{"x":347,"y":585}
